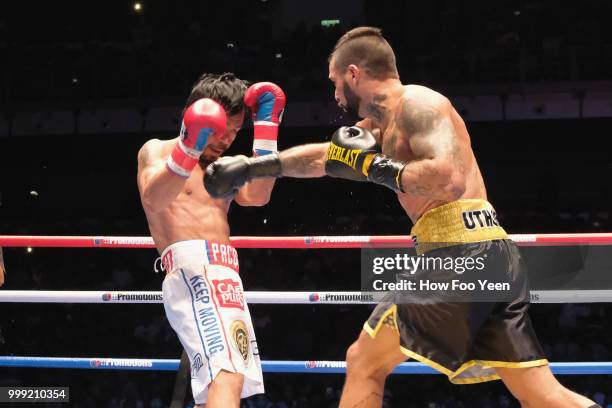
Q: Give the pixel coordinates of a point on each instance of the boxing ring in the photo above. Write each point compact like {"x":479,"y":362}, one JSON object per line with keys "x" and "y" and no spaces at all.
{"x":274,"y":297}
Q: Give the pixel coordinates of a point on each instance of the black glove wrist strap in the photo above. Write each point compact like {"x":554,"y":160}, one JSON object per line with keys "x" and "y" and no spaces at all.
{"x":268,"y":165}
{"x":384,"y":170}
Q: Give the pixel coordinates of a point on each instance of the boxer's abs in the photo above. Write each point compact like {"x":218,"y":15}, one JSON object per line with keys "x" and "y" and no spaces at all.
{"x":192,"y":215}
{"x":181,"y":224}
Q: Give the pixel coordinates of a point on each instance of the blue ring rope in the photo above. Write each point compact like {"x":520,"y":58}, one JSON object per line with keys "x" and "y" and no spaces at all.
{"x":269,"y":366}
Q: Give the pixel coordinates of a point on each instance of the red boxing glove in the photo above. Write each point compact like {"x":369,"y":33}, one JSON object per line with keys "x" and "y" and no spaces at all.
{"x":267,"y":103}
{"x":202,"y":119}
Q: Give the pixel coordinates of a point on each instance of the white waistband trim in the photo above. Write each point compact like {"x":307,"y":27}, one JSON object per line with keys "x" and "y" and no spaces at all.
{"x":199,"y":251}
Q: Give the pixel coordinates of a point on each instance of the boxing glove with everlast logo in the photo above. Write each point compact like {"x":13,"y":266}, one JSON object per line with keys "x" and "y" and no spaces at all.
{"x":353,"y":154}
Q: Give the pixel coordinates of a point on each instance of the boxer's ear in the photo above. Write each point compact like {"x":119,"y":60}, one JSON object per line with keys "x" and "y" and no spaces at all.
{"x":354,"y":73}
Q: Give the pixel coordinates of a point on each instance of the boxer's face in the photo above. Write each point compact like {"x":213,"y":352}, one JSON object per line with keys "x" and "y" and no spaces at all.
{"x":345,"y":94}
{"x":217,"y":144}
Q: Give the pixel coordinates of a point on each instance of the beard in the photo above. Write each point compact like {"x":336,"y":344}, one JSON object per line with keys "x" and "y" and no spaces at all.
{"x":352,"y":101}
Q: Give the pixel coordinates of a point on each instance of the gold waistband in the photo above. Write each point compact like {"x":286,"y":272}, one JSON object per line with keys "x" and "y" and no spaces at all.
{"x":461,"y":221}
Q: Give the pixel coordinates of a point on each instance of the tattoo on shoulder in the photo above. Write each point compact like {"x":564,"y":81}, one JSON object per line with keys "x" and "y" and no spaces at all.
{"x":416,"y":117}
{"x":376,"y":109}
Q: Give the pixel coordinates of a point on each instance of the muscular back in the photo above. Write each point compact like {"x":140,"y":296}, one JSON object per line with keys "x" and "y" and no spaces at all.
{"x":428,"y":133}
{"x":192,"y":214}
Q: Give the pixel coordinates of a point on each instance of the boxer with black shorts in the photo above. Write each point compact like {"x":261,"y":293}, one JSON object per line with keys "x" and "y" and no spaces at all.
{"x":202,"y":290}
{"x":414,"y":142}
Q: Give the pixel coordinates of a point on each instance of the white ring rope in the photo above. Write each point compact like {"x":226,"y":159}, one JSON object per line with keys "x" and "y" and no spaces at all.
{"x":270,"y":297}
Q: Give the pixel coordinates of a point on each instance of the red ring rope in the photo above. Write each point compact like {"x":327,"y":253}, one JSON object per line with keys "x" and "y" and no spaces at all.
{"x":299,"y":242}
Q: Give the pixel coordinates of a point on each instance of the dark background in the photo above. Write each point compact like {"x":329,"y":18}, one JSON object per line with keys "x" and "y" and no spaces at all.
{"x":542,"y":176}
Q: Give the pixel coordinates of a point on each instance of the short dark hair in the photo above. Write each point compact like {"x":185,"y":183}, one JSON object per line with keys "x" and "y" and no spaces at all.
{"x":368,"y":49}
{"x":226,"y":89}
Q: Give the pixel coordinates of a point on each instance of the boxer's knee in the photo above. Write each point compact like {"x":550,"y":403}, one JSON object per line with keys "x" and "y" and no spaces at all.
{"x":224,"y":391}
{"x":352,"y":357}
{"x":232,"y":382}
{"x":363,"y":363}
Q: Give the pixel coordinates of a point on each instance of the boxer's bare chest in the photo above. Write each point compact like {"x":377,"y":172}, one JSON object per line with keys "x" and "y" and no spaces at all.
{"x":194,"y":194}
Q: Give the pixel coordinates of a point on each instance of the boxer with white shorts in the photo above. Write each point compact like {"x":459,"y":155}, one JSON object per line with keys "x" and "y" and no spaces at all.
{"x":203,"y":294}
{"x":204,"y":302}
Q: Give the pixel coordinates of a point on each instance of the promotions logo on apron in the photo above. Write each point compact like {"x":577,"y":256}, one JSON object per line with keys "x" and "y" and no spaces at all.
{"x":240,"y":338}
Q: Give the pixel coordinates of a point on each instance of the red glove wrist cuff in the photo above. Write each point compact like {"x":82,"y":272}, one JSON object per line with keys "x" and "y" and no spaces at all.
{"x":180,"y":162}
{"x":265,"y":138}
{"x":266,"y":130}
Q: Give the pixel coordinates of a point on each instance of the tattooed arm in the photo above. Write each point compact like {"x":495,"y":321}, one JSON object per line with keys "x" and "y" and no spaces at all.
{"x":425,"y":120}
{"x":304,"y":161}
{"x":308,"y":160}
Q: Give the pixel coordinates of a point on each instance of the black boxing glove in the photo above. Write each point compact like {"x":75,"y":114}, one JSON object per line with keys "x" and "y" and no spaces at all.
{"x":225,"y":176}
{"x":347,"y":152}
{"x":353,"y":154}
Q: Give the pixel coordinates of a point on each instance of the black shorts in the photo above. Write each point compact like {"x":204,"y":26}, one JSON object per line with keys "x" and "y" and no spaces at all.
{"x":467,"y":340}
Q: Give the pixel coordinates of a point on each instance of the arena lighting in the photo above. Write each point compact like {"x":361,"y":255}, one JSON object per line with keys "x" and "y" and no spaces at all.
{"x":329,"y":23}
